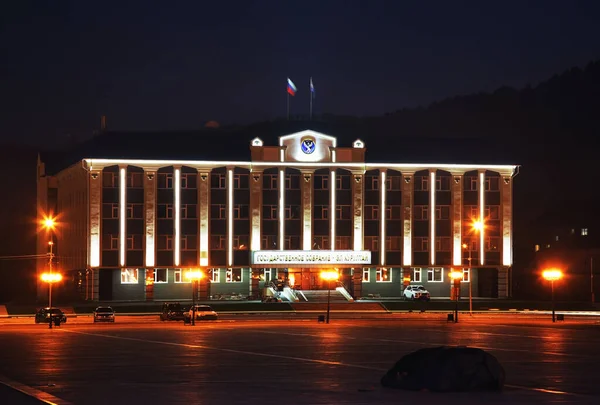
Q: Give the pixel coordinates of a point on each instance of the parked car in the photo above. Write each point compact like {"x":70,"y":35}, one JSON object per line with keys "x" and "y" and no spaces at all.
{"x":203,"y":312}
{"x":104,"y":314}
{"x":172,"y":311}
{"x":416,"y":292}
{"x":45,"y":315}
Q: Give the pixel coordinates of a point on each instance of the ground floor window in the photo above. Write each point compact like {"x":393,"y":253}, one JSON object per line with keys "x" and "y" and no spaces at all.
{"x":160,"y":275}
{"x":466,"y":275}
{"x":129,"y":276}
{"x":267,"y":274}
{"x":416,"y":275}
{"x":233,"y":276}
{"x":435,"y":275}
{"x":215,"y":276}
{"x":384,"y":275}
{"x":179,"y":276}
{"x":366,"y":275}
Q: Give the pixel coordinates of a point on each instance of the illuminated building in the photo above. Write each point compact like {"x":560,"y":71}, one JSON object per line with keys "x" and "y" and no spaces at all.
{"x":293,"y":209}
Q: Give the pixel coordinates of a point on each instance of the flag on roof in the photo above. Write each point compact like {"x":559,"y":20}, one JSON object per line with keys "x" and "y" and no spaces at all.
{"x":312,"y":88}
{"x":291,"y":87}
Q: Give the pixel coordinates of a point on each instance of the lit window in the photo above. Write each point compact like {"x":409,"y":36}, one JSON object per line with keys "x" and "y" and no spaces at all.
{"x":537,"y":248}
{"x":416,"y":275}
{"x":556,"y":238}
{"x":129,"y":276}
{"x":366,"y":275}
{"x":584,"y":231}
{"x":383,"y":275}
{"x":179,"y":276}
{"x":466,"y":275}
{"x":215,"y":276}
{"x":233,"y":276}
{"x":160,"y":275}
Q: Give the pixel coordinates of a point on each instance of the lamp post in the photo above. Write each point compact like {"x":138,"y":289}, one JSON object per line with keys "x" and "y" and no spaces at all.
{"x":476,"y":226}
{"x":552,"y":275}
{"x":195,"y":276}
{"x":51,"y":278}
{"x":329,"y":276}
{"x":456,"y":276}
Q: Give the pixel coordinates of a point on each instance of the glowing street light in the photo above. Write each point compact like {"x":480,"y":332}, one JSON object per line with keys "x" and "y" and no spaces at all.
{"x":50,"y":278}
{"x":329,"y":276}
{"x":194,"y":276}
{"x":552,"y":275}
{"x":477,"y":226}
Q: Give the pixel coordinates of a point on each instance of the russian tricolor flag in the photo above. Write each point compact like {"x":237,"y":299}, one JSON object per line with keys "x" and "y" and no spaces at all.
{"x":291,"y":87}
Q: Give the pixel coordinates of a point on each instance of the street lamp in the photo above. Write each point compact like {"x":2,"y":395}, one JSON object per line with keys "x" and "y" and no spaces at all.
{"x":552,"y":275}
{"x":477,"y":226}
{"x":329,"y":276}
{"x":456,"y":276}
{"x":195,"y":276}
{"x":51,"y":278}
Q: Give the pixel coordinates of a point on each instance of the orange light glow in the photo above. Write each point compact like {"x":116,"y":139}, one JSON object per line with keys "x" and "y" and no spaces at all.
{"x":194,"y":274}
{"x":49,"y":222}
{"x":51,"y":277}
{"x":477,"y":225}
{"x":329,"y":275}
{"x":455,"y":275}
{"x":552,"y":274}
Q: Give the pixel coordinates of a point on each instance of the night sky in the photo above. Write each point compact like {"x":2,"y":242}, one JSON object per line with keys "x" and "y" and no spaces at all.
{"x":176,"y":64}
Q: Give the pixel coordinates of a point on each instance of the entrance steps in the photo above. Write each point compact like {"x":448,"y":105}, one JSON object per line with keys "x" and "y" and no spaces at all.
{"x":321,"y":296}
{"x":338,"y":306}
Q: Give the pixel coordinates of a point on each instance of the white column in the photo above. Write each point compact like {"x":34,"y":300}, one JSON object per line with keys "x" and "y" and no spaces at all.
{"x":122,"y":214}
{"x":281,"y":208}
{"x":432,"y":211}
{"x":95,"y":182}
{"x":482,"y":216}
{"x":255,"y":209}
{"x":358,"y":209}
{"x":229,"y":186}
{"x":506,"y":188}
{"x":150,"y":216}
{"x":307,"y":210}
{"x":382,"y":215}
{"x":177,"y":216}
{"x":457,"y":209}
{"x":407,"y":207}
{"x":332,"y":210}
{"x":203,"y":217}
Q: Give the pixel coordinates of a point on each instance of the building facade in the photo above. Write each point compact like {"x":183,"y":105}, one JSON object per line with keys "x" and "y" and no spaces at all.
{"x":128,"y":229}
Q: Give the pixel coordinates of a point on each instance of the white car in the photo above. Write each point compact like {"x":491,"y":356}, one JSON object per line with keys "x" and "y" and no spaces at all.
{"x":416,"y":292}
{"x":203,"y":312}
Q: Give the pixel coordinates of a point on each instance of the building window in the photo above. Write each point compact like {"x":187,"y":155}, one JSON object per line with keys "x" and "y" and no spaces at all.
{"x":240,"y":181}
{"x":135,"y":211}
{"x":366,"y":275}
{"x":421,"y":244}
{"x":165,"y":180}
{"x":217,"y":242}
{"x":416,"y":275}
{"x":372,"y":182}
{"x":342,"y":242}
{"x":160,"y":276}
{"x":492,"y":212}
{"x":292,"y":182}
{"x":421,"y":212}
{"x":240,"y":242}
{"x":165,"y":242}
{"x":492,"y":184}
{"x":466,"y":275}
{"x":435,"y":275}
{"x":442,"y":183}
{"x":472,"y":183}
{"x":343,"y":212}
{"x":269,"y":212}
{"x":321,"y":212}
{"x":110,"y":242}
{"x":188,"y":180}
{"x":165,"y":211}
{"x":291,"y":243}
{"x":536,"y":248}
{"x":393,"y":243}
{"x":472,"y":212}
{"x":179,"y":276}
{"x":215,"y":276}
{"x":233,"y":276}
{"x":129,"y":276}
{"x":188,"y":242}
{"x":268,"y":242}
{"x":372,"y":212}
{"x":442,"y":244}
{"x":421,"y":183}
{"x":134,"y":242}
{"x":321,"y":243}
{"x":217,"y":211}
{"x":217,"y":180}
{"x":322,"y":182}
{"x":372,"y":243}
{"x":442,"y":212}
{"x":393,"y":212}
{"x":393,"y":183}
{"x":383,"y":275}
{"x":491,"y":244}
{"x":189,"y":211}
{"x":134,"y":180}
{"x":584,"y":231}
{"x":110,"y":180}
{"x":240,"y":211}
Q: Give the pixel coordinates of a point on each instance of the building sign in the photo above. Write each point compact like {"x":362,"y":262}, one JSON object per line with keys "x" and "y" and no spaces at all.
{"x":308,"y":145}
{"x":308,"y":257}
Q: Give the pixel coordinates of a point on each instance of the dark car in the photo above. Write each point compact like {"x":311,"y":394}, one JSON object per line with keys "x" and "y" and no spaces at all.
{"x":104,"y":314}
{"x":172,"y":311}
{"x":45,"y":315}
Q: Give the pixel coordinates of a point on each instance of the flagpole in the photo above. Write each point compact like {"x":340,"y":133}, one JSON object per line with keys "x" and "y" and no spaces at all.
{"x":288,"y":105}
{"x":311,"y":98}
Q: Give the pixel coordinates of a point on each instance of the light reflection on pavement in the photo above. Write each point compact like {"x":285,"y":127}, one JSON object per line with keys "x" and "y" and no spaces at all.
{"x":292,"y":361}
